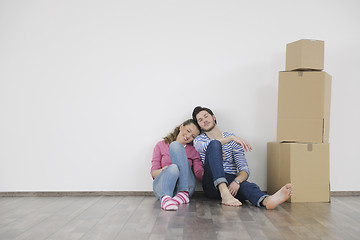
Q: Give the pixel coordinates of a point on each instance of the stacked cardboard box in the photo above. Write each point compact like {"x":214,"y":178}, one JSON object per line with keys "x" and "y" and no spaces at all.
{"x":301,"y":153}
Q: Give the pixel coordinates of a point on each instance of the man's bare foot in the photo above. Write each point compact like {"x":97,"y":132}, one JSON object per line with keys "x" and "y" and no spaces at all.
{"x":227,"y":198}
{"x":279,"y":197}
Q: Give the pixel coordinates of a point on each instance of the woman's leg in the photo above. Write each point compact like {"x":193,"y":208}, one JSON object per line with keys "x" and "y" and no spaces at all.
{"x":164,"y":185}
{"x":178,"y":157}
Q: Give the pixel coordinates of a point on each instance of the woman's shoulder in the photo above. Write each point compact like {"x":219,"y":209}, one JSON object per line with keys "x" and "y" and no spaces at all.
{"x":162,"y":145}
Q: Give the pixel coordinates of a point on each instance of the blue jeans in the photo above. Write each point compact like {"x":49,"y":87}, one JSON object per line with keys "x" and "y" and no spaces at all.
{"x":214,"y":175}
{"x":176,"y":177}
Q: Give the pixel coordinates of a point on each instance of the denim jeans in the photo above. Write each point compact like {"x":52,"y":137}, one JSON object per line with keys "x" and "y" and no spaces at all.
{"x":176,"y":177}
{"x":214,"y":175}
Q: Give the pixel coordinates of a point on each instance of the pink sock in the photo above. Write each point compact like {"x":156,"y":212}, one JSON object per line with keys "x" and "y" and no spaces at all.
{"x":181,"y":198}
{"x":168,"y":204}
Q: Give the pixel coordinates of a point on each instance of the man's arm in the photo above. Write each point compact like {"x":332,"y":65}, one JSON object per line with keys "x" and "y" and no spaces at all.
{"x":246,"y":146}
{"x":241,"y":165}
{"x":234,"y":186}
{"x":242,"y":176}
{"x":200,"y":143}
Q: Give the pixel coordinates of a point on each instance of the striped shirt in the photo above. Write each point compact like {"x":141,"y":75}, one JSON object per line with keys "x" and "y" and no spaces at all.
{"x":234,"y":160}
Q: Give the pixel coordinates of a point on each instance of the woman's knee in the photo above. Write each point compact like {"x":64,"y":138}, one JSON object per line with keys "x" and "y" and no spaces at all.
{"x":173,"y":169}
{"x":176,"y":146}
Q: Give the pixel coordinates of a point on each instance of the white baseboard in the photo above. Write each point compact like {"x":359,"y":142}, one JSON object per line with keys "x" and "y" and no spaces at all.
{"x":122,"y":193}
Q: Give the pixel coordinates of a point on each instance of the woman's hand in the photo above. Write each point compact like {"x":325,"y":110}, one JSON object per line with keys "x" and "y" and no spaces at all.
{"x":157,"y":172}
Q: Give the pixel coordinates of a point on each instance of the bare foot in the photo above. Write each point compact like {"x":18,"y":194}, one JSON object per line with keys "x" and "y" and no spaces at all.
{"x":229,"y":200}
{"x":279,"y":197}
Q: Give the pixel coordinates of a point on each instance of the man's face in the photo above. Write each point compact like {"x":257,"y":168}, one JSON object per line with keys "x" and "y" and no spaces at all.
{"x":205,"y":120}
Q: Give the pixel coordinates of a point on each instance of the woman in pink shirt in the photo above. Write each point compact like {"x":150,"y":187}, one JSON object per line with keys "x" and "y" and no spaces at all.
{"x":173,"y":158}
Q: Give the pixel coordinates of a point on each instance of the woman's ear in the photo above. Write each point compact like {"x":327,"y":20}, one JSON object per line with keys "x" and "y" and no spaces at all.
{"x":181,"y":127}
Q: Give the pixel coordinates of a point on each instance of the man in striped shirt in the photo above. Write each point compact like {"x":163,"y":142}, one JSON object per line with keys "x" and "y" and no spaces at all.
{"x":225,"y":167}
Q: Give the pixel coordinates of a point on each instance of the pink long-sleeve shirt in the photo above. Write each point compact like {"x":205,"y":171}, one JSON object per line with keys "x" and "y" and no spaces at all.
{"x":161,"y":158}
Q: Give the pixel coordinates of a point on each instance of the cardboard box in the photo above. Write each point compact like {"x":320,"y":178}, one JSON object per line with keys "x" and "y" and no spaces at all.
{"x":305,"y":55}
{"x":304,"y":165}
{"x":304,"y":106}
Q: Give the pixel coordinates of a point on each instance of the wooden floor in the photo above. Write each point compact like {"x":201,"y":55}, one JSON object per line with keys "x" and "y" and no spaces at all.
{"x":140,"y":217}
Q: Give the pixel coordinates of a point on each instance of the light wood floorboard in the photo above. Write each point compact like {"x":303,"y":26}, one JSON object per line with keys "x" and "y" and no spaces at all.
{"x":140,"y":217}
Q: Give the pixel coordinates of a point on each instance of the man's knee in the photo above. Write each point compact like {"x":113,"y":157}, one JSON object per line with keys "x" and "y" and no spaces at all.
{"x":215,"y":144}
{"x":214,"y":151}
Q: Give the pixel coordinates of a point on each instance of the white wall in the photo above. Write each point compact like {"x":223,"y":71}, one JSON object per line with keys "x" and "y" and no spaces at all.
{"x":87,"y":88}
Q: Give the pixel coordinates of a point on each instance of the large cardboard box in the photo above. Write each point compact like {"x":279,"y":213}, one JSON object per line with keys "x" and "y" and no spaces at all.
{"x":305,"y":54}
{"x":305,"y":165}
{"x":304,"y":106}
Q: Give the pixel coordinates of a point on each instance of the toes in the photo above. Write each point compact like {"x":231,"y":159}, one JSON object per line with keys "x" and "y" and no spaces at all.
{"x":232,"y":204}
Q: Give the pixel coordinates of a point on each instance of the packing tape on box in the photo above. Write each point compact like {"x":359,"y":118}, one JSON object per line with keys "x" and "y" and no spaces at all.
{"x":309,"y":144}
{"x":309,"y":147}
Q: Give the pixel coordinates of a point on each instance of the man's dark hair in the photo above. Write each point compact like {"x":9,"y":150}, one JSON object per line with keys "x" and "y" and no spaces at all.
{"x":199,"y":109}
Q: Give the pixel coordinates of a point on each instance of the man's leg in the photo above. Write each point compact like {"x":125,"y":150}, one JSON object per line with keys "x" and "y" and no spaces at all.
{"x":214,"y":181}
{"x":208,"y":183}
{"x":279,"y":197}
{"x":252,"y":192}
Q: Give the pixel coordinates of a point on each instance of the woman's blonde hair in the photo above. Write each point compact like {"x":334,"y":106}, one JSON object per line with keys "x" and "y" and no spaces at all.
{"x":171,"y":137}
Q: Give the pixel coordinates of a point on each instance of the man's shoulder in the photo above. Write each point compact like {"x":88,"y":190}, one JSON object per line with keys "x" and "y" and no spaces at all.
{"x":202,"y":136}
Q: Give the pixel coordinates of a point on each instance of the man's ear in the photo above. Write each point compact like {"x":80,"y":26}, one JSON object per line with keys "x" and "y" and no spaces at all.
{"x":214,"y":118}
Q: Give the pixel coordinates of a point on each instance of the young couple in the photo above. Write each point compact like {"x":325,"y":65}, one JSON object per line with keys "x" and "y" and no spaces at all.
{"x":217,"y":159}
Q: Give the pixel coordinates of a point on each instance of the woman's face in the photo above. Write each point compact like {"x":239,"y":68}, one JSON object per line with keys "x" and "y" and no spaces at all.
{"x":187,"y":133}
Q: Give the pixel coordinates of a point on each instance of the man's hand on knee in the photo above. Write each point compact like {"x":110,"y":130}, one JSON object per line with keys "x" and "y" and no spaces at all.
{"x":234,"y":188}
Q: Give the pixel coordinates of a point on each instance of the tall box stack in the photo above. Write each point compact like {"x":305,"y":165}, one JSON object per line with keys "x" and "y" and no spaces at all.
{"x":300,"y":154}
